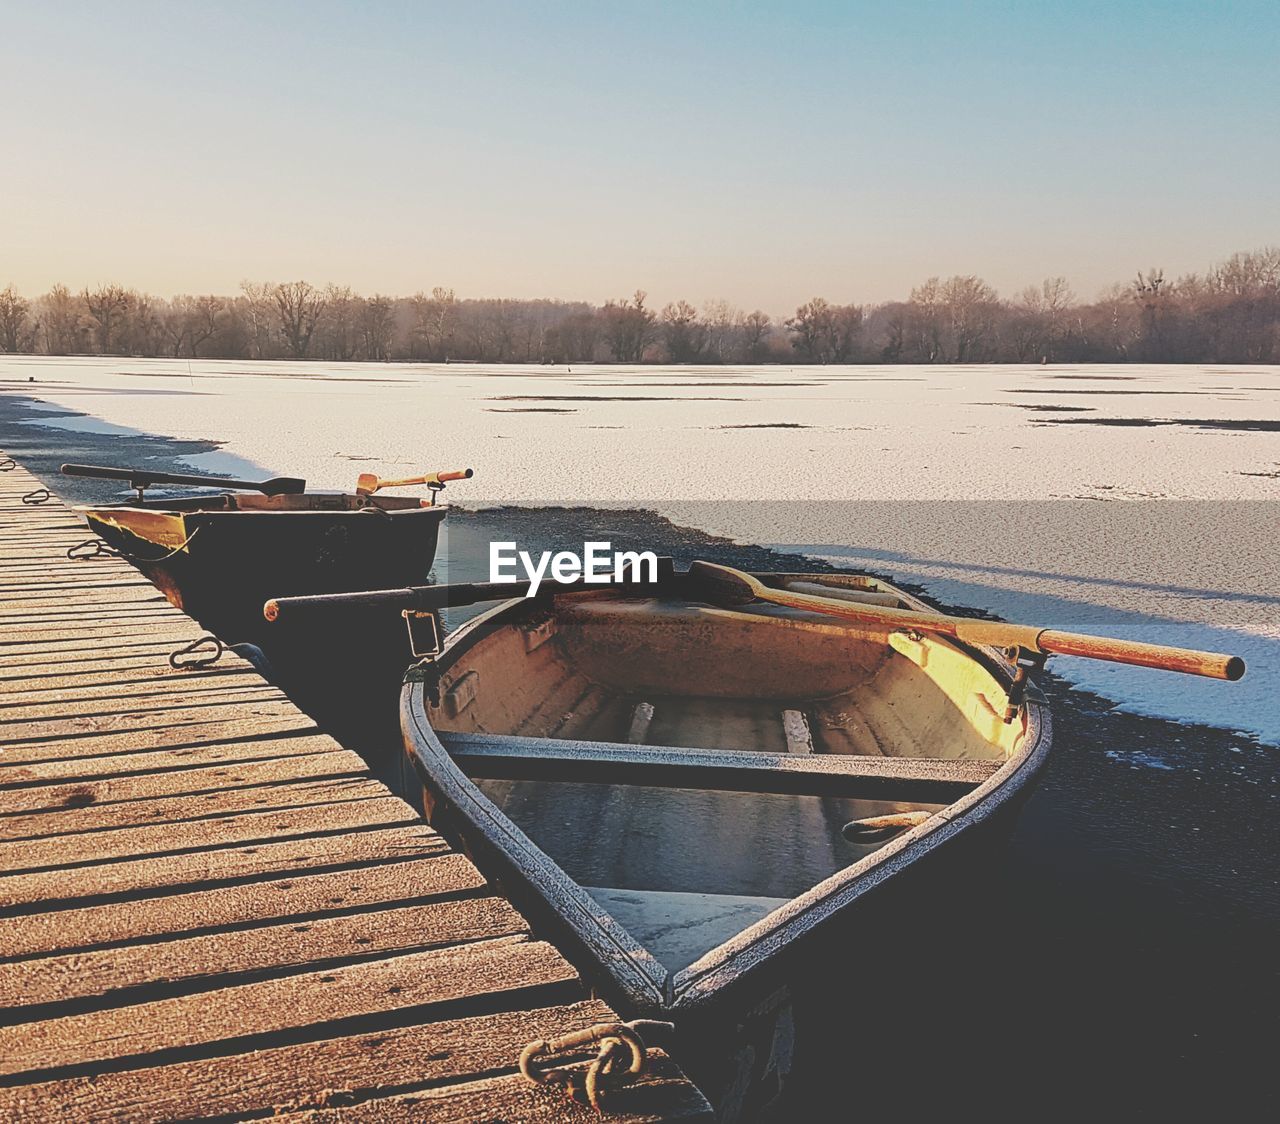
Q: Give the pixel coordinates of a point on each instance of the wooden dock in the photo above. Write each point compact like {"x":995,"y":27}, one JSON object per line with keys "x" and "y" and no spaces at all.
{"x":210,"y":909}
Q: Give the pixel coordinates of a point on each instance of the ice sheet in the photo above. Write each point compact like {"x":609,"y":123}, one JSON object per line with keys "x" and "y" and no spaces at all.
{"x":1018,"y":454}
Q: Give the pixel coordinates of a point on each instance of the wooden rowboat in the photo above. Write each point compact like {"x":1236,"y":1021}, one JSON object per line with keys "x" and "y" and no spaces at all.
{"x":219,"y":556}
{"x":689,"y":793}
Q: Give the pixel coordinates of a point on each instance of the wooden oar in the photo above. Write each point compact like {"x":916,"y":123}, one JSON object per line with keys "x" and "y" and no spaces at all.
{"x":367,"y":482}
{"x":141,"y":478}
{"x":727,"y":586}
{"x":421,"y":597}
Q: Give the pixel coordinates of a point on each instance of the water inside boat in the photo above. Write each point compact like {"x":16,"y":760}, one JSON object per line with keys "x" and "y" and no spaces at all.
{"x":686,"y":868}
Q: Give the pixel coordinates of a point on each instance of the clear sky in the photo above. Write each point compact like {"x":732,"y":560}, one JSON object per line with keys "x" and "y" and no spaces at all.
{"x":763,"y":153}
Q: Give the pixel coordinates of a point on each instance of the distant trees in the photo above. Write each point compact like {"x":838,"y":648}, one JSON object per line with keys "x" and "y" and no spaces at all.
{"x":300,"y":305}
{"x":825,"y":333}
{"x":59,"y":313}
{"x":107,"y":307}
{"x":376,"y":323}
{"x":189,"y":322}
{"x":1231,"y":313}
{"x":756,"y":327}
{"x":433,"y":320}
{"x":1043,"y":320}
{"x":628,"y":327}
{"x":683,"y":333}
{"x":15,"y":322}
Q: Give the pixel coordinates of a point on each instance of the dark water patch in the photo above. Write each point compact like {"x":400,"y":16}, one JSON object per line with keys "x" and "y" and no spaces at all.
{"x":607,"y":398}
{"x":42,"y":449}
{"x":1048,"y":409}
{"x":647,"y":385}
{"x":1032,"y":390}
{"x":1106,"y":421}
{"x":1261,"y":425}
{"x":765,"y":425}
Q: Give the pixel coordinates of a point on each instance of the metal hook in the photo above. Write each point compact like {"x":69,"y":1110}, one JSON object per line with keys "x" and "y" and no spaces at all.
{"x":199,"y":662}
{"x":91,"y":548}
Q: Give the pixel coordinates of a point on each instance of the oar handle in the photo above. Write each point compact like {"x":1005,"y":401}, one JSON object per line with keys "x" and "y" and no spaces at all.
{"x":449,"y":596}
{"x":1001,"y":634}
{"x":1212,"y":665}
{"x":998,"y":634}
{"x":368,"y":483}
{"x":409,"y":597}
{"x":456,"y":474}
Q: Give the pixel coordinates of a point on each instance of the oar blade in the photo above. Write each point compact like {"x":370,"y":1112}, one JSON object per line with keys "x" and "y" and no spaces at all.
{"x":722,"y":585}
{"x":282,"y":486}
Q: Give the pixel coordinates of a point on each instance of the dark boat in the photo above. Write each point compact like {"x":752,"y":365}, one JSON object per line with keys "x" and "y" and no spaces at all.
{"x":219,"y":557}
{"x":690,"y":795}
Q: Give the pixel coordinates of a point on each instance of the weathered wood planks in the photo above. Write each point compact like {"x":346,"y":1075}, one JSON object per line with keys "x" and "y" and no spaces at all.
{"x":210,"y":909}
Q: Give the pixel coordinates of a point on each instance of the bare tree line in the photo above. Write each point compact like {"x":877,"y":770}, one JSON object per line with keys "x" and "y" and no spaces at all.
{"x":1231,"y":313}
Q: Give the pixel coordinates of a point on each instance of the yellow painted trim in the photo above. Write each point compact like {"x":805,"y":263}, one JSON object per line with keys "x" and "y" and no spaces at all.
{"x":163,"y":528}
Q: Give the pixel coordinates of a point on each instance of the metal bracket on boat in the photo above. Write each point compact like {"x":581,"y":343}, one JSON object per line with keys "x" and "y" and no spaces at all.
{"x":621,"y":1058}
{"x":40,"y":495}
{"x":431,"y":647}
{"x":91,"y":548}
{"x":427,"y":673}
{"x":197,"y":662}
{"x":1024,"y":662}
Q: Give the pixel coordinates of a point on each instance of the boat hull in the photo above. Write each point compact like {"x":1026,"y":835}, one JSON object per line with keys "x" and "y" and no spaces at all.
{"x":739,"y":1013}
{"x":220,"y":566}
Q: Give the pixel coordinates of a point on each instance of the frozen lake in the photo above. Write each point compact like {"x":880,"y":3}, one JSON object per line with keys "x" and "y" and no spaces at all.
{"x":1137,"y":500}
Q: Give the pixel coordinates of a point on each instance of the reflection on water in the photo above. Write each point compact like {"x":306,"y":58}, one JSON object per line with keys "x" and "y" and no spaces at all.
{"x":685,"y":869}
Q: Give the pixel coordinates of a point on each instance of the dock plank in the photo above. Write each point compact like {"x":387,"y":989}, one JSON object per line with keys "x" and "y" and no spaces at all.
{"x":349,"y":777}
{"x":293,"y":947}
{"x":222,"y":746}
{"x":108,"y":793}
{"x":319,"y":808}
{"x":53,"y":889}
{"x":456,"y":975}
{"x":423,"y":874}
{"x":209,"y":908}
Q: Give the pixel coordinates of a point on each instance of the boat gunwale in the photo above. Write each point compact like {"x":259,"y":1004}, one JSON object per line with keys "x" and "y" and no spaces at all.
{"x":728,"y":963}
{"x":97,"y":510}
{"x":646,"y":984}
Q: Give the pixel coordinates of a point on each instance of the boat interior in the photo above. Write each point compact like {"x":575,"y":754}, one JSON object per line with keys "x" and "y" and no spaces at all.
{"x":694,"y":767}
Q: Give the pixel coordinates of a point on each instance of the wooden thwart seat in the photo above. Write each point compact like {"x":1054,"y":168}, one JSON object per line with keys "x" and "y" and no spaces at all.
{"x":921,"y":780}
